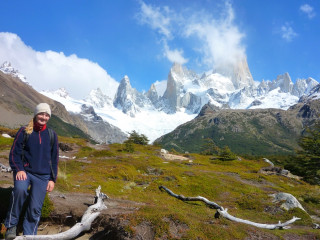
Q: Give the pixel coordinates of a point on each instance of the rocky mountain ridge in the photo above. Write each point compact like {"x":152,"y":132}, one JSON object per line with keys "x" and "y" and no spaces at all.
{"x":155,"y":113}
{"x":251,"y":131}
{"x":231,"y":87}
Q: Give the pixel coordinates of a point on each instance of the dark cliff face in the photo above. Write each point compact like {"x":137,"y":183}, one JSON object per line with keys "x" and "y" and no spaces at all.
{"x":254,"y":132}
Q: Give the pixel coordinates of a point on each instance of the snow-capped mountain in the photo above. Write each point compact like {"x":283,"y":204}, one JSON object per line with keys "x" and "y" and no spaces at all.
{"x":8,"y":69}
{"x":97,"y":99}
{"x":160,"y":110}
{"x":129,"y":99}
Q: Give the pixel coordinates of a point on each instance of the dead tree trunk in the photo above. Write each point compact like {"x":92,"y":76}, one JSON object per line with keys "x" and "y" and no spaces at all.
{"x":224,"y":212}
{"x":88,"y":217}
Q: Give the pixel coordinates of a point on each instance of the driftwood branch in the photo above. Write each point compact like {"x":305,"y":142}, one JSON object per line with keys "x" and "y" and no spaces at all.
{"x":186,"y":199}
{"x":4,"y":168}
{"x":224,"y":212}
{"x":88,"y":217}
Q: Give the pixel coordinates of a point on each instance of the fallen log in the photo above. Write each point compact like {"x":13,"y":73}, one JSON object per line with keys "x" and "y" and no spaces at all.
{"x":224,"y":212}
{"x":88,"y":217}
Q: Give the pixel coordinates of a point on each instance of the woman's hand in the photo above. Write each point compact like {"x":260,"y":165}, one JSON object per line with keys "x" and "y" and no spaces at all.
{"x":21,"y":175}
{"x":50,"y":186}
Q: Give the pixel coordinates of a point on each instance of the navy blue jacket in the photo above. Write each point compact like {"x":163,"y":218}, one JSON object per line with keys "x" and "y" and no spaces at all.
{"x":38,"y":155}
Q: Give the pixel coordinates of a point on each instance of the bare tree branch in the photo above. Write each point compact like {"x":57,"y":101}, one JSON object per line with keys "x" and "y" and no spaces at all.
{"x":88,"y":217}
{"x":224,"y":212}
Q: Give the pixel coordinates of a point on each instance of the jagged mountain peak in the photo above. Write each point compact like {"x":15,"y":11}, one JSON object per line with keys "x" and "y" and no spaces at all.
{"x":284,"y":82}
{"x":98,"y":99}
{"x":62,"y":92}
{"x":152,"y":94}
{"x":237,"y":71}
{"x":181,"y":73}
{"x":6,"y":64}
{"x":129,"y":99}
{"x":7,"y":68}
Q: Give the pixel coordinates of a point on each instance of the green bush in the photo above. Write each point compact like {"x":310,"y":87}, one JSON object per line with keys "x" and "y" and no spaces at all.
{"x":227,"y":155}
{"x":137,"y":138}
{"x":128,"y":147}
{"x":47,"y":207}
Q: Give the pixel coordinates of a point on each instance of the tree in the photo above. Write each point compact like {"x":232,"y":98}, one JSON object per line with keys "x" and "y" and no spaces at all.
{"x":227,"y":155}
{"x":309,"y":157}
{"x":209,"y":147}
{"x":137,"y":138}
{"x":128,"y":147}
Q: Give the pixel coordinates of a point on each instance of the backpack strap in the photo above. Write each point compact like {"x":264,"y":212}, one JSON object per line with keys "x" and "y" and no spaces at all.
{"x":51,"y":135}
{"x":24,"y":142}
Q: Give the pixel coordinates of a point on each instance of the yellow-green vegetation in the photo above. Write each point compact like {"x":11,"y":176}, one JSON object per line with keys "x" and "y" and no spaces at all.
{"x":5,"y":143}
{"x":47,"y":207}
{"x":237,"y":185}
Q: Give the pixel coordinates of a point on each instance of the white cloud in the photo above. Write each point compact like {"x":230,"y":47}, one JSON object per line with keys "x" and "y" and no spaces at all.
{"x":157,"y":18}
{"x":221,"y":38}
{"x":174,"y":56}
{"x":160,"y":19}
{"x":288,"y":33}
{"x":52,"y":70}
{"x":307,"y":9}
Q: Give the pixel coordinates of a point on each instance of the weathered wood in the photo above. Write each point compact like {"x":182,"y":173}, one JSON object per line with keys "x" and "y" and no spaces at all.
{"x":185,"y":199}
{"x":224,"y":212}
{"x":4,"y":168}
{"x":88,"y":217}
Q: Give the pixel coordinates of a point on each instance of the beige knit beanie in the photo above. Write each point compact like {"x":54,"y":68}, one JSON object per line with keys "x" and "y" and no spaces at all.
{"x":42,"y":107}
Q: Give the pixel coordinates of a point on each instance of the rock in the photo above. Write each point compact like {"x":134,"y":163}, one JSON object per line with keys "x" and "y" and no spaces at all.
{"x":65,"y":147}
{"x":290,"y":201}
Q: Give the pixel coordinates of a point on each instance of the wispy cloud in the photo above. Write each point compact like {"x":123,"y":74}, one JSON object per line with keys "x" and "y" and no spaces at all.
{"x":307,"y":9}
{"x":219,"y":40}
{"x":157,"y":18}
{"x":175,"y":55}
{"x":288,"y":33}
{"x":162,"y":21}
{"x":52,"y":70}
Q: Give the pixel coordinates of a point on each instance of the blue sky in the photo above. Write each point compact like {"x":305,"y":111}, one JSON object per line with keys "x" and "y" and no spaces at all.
{"x":142,"y":39}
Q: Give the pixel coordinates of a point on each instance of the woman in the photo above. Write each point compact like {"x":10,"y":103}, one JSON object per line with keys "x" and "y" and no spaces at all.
{"x":34,"y":161}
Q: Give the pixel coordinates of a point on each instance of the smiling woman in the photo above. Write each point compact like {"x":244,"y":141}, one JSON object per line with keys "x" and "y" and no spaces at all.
{"x":34,"y":160}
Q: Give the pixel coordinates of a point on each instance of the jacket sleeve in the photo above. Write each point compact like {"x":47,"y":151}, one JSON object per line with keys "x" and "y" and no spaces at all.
{"x":15,"y":156}
{"x":54,"y":158}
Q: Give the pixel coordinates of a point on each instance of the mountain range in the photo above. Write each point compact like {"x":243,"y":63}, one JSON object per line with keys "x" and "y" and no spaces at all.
{"x":18,"y":99}
{"x":177,"y":100}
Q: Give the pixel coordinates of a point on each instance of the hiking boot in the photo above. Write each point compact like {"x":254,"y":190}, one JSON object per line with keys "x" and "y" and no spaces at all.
{"x":11,"y":233}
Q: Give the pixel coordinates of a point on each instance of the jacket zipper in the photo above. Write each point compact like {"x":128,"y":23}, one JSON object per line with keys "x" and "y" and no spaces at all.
{"x":39,"y":137}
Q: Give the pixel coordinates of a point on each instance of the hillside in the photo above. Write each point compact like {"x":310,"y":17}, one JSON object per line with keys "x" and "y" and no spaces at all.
{"x":17,"y":103}
{"x":251,"y":131}
{"x":137,"y":209}
{"x":18,"y":100}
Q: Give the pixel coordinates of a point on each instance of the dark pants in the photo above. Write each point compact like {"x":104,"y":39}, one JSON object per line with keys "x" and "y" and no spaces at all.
{"x":19,"y":195}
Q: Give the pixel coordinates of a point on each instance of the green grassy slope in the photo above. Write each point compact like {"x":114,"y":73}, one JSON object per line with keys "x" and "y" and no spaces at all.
{"x":250,"y":133}
{"x":236,"y":185}
{"x":65,"y":129}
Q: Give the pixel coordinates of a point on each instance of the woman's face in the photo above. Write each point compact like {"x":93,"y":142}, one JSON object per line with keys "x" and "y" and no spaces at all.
{"x":42,"y":118}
